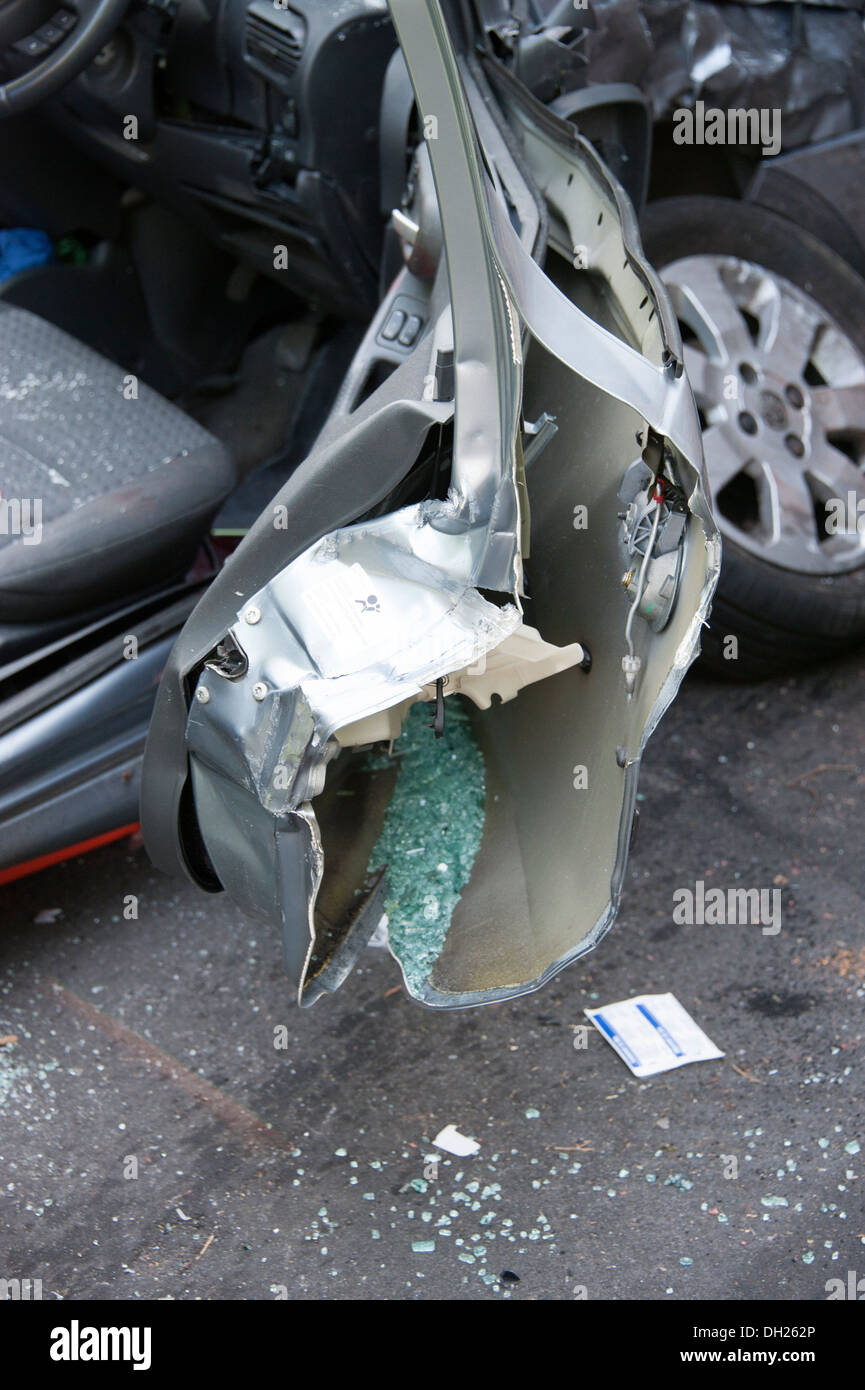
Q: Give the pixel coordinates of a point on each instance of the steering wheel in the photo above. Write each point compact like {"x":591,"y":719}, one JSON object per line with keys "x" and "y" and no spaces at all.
{"x":94,"y":23}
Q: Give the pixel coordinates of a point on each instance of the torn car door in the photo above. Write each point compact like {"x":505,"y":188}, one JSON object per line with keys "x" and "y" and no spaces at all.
{"x":423,"y":685}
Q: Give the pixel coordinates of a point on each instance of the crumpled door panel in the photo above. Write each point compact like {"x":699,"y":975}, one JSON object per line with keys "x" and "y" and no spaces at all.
{"x":434,"y":707}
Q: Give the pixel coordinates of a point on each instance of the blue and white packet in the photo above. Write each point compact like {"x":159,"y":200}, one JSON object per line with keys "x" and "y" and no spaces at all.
{"x":653,"y":1033}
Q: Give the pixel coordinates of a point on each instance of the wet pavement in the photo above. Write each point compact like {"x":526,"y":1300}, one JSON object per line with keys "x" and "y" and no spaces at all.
{"x":171,"y":1126}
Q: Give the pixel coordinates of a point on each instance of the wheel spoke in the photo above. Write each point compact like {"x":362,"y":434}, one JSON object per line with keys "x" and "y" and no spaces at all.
{"x":835,"y":471}
{"x":840,"y":407}
{"x":786,"y":509}
{"x":698,"y":369}
{"x":723,"y":459}
{"x":788,"y":329}
{"x":703,"y":301}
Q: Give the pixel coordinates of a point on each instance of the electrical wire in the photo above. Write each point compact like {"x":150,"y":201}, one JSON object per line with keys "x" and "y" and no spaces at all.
{"x":647,"y":555}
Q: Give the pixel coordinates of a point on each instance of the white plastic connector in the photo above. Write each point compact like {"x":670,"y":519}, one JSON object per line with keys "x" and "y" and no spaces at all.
{"x":631,"y":667}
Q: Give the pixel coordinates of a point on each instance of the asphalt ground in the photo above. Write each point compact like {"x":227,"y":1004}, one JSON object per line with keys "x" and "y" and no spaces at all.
{"x":156,"y":1143}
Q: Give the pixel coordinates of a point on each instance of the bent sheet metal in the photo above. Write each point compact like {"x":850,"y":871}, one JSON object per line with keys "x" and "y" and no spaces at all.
{"x":436,"y":709}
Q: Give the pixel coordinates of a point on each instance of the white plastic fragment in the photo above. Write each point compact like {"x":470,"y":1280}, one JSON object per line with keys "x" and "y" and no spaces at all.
{"x":379,"y":937}
{"x":453,"y":1142}
{"x":653,"y":1033}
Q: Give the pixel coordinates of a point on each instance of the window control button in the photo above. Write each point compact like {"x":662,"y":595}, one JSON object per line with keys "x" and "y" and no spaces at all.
{"x":65,"y":20}
{"x":409,"y":334}
{"x":32,"y":47}
{"x":50,"y":34}
{"x":393,"y":326}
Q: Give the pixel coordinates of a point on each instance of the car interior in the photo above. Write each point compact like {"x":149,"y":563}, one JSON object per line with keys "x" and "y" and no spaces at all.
{"x":190,"y":169}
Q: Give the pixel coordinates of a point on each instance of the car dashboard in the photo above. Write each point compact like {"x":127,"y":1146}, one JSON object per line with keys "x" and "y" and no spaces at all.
{"x":259,"y":119}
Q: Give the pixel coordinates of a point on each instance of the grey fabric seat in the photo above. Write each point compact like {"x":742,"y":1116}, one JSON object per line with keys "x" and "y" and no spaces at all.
{"x":105,"y":487}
